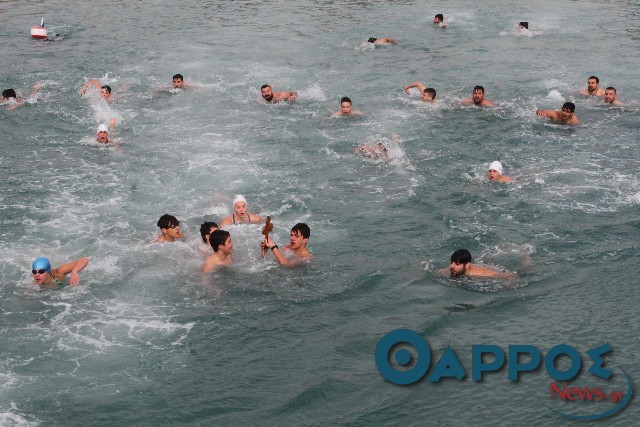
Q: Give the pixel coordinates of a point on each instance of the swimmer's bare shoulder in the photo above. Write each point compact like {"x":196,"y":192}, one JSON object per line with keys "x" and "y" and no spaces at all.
{"x":483,"y":271}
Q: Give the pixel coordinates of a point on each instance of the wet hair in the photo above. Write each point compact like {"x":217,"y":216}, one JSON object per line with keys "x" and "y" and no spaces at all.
{"x":177,"y":76}
{"x":303,"y":229}
{"x":166,"y":220}
{"x":217,"y":238}
{"x":264,"y":86}
{"x":461,"y":256}
{"x":108,"y":88}
{"x":204,"y":229}
{"x":372,"y":39}
{"x":569,"y":106}
{"x":346,"y":99}
{"x":431,"y":91}
{"x":594,"y":78}
{"x":9,"y":93}
{"x":478,"y":88}
{"x":524,"y":24}
{"x":612,"y":88}
{"x":440,"y":17}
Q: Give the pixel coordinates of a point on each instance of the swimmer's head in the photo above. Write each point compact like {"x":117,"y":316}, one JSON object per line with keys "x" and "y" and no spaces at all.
{"x":495,"y":170}
{"x":438,"y":18}
{"x":429,"y":94}
{"x":103,"y":133}
{"x":219,"y":238}
{"x":567,"y":110}
{"x":372,"y":39}
{"x":267,"y":92}
{"x":178,"y":81}
{"x":460,"y":261}
{"x":41,"y":263}
{"x":206,"y":229}
{"x":610,"y":94}
{"x":302,"y":229}
{"x":569,"y":106}
{"x":8,"y":93}
{"x":105,"y":91}
{"x":168,"y":221}
{"x":345,"y":105}
{"x":524,"y":25}
{"x":478,"y":94}
{"x":592,"y":83}
{"x":240,"y":205}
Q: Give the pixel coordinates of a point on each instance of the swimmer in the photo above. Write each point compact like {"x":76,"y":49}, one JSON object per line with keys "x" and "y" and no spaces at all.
{"x":345,"y":109}
{"x":103,"y":132}
{"x":427,"y":94}
{"x":610,"y":96}
{"x":47,"y":278}
{"x":297,"y":247}
{"x":170,"y":228}
{"x":495,"y":173}
{"x":461,"y":266}
{"x":178,"y":82}
{"x":222,"y":246}
{"x":10,"y":97}
{"x":593,"y":87}
{"x":374,"y":151}
{"x":382,"y":40}
{"x":523,"y":26}
{"x":477,"y":98}
{"x":240,"y":215}
{"x":270,"y":96}
{"x":563,"y":117}
{"x":377,"y":150}
{"x":439,"y":20}
{"x":105,"y":90}
{"x":206,"y":229}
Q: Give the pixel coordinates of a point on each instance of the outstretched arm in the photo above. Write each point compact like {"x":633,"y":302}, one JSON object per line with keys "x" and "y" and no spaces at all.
{"x":72,"y":268}
{"x":419,"y":85}
{"x":291,"y":96}
{"x":92,"y":82}
{"x":546,"y":113}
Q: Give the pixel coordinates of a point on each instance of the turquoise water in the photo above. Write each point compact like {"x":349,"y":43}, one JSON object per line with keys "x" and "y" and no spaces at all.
{"x":146,"y":339}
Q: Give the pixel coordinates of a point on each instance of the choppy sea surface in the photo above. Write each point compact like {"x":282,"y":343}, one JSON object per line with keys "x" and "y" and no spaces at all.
{"x":146,"y":339}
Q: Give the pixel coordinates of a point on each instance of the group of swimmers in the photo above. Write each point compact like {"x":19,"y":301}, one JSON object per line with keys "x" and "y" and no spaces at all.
{"x":292,"y":254}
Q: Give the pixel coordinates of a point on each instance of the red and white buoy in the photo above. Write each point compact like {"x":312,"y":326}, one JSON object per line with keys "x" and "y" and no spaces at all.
{"x":39,"y":32}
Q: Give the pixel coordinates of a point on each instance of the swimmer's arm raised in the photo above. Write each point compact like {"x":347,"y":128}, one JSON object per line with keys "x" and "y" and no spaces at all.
{"x":92,"y":82}
{"x":72,"y":267}
{"x":419,"y":85}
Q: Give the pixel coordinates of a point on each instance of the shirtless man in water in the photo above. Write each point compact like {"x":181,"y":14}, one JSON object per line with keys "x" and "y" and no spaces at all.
{"x":240,"y":214}
{"x":170,"y":228}
{"x":563,"y":117}
{"x":222,"y":246}
{"x":47,"y":278}
{"x":270,"y":96}
{"x":346,"y":108}
{"x":297,"y":248}
{"x":10,"y":97}
{"x":477,"y":98}
{"x":427,"y":94}
{"x":593,"y":87}
{"x":105,"y":90}
{"x":610,"y":96}
{"x":461,"y":266}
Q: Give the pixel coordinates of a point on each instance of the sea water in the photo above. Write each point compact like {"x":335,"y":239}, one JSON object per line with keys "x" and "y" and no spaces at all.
{"x":146,"y":339}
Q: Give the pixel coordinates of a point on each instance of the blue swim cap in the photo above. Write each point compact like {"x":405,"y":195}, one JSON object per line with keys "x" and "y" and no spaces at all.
{"x":41,"y":262}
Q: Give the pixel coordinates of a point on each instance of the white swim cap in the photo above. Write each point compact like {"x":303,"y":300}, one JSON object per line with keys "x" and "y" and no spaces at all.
{"x":103,"y":128}
{"x":239,"y":198}
{"x":496,"y":166}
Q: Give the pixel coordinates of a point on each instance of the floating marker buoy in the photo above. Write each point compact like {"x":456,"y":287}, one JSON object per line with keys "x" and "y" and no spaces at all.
{"x":39,"y":32}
